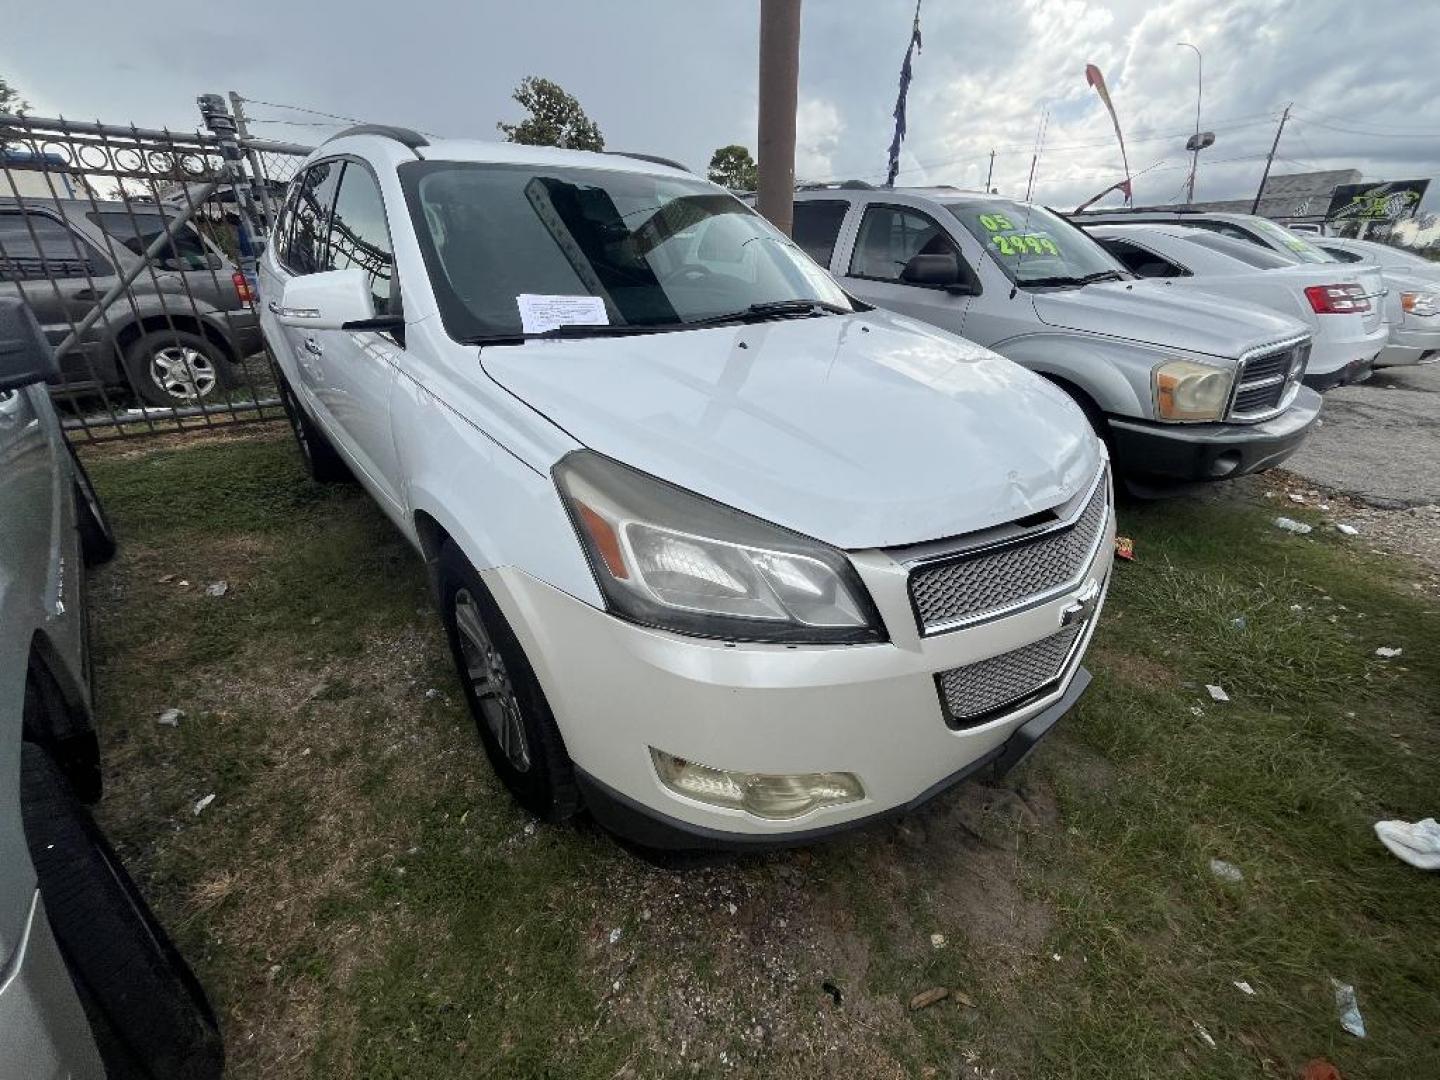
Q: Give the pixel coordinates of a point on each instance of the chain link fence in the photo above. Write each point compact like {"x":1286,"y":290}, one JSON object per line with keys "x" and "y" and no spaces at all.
{"x":136,"y":250}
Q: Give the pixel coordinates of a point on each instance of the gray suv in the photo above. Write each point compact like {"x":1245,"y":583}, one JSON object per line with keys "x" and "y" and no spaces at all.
{"x":172,"y":338}
{"x":90,"y":985}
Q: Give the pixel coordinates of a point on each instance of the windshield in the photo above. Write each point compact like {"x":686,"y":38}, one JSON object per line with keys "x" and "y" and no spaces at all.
{"x":1034,"y":246}
{"x":656,"y":251}
{"x":1294,"y":243}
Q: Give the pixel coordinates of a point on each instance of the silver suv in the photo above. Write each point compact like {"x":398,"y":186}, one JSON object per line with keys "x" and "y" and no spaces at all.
{"x":1183,"y":388}
{"x":172,"y":338}
{"x":90,"y":984}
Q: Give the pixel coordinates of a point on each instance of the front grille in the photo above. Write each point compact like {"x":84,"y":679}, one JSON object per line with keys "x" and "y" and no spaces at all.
{"x":981,"y":583}
{"x":977,"y":692}
{"x":1266,"y":379}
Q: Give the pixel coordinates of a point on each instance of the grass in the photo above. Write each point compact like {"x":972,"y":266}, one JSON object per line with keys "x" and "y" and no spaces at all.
{"x":363,"y":900}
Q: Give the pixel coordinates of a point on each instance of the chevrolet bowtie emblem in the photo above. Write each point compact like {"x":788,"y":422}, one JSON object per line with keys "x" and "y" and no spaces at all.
{"x":1082,"y":607}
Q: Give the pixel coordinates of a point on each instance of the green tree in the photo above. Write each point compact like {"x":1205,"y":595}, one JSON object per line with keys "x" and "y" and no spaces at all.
{"x":10,"y":99}
{"x":734,"y":167}
{"x":556,"y":118}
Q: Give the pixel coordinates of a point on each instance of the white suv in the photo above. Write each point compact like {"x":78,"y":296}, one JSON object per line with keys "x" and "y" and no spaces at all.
{"x":724,"y":556}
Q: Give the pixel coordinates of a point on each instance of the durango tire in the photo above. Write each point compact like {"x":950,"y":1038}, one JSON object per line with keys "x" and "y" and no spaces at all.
{"x":175,"y":367}
{"x":149,"y":1015}
{"x":515,"y":723}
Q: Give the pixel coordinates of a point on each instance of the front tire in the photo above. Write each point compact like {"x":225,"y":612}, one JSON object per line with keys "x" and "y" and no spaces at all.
{"x":147,"y":1011}
{"x":515,"y":723}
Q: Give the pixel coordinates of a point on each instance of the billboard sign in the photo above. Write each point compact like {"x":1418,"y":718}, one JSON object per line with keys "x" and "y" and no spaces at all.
{"x":1376,"y":202}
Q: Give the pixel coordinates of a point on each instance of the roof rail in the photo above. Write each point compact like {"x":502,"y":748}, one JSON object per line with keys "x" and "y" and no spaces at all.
{"x":841,"y":185}
{"x":404,"y":136}
{"x":654,"y":159}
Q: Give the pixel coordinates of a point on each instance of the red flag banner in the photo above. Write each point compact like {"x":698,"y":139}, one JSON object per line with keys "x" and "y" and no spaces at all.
{"x":1097,"y":80}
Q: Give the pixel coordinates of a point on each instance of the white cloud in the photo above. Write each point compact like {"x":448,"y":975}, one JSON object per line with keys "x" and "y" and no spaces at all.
{"x":819,"y":131}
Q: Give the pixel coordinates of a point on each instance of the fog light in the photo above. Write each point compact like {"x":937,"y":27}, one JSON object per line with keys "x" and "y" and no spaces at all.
{"x":765,"y":795}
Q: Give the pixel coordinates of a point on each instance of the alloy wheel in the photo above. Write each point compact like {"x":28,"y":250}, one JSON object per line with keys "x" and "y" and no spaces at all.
{"x":490,"y":682}
{"x":183,"y":373}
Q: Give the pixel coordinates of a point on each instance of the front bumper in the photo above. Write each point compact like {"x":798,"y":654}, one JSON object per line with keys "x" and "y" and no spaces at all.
{"x":617,"y":689}
{"x":1190,"y":452}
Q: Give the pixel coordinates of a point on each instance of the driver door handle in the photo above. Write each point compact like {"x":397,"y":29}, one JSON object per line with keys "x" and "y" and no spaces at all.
{"x":313,"y":347}
{"x":274,"y":307}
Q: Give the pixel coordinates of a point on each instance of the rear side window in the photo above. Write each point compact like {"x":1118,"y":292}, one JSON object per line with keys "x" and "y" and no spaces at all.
{"x":138,"y":231}
{"x":890,"y":237}
{"x":816,"y":227}
{"x":36,"y":246}
{"x":1262,"y":258}
{"x":1139,"y":261}
{"x":1341,"y":253}
{"x":359,"y":235}
{"x":1224,"y":228}
{"x":310,"y":221}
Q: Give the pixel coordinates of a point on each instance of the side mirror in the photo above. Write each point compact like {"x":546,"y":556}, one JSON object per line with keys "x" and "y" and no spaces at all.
{"x":936,"y":272}
{"x":25,"y":353}
{"x":331,"y":300}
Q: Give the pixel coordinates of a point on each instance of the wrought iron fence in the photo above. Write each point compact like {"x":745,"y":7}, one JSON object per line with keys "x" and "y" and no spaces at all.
{"x":136,"y":250}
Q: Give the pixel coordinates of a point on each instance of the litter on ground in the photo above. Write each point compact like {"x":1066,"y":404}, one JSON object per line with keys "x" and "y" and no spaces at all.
{"x":1291,"y":525}
{"x":1417,"y":844}
{"x":1226,"y":871}
{"x":1388,"y":653}
{"x":201,"y":804}
{"x":170,"y":718}
{"x":1348,"y":1008}
{"x":1217,"y":693}
{"x":1125,"y":548}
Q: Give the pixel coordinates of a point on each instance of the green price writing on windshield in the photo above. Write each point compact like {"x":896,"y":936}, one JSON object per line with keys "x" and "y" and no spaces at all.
{"x":1036,"y":243}
{"x":997,"y":223}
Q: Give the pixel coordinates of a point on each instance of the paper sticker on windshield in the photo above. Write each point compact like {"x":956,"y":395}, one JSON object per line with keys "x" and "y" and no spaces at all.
{"x":540,"y":313}
{"x":1030,"y":243}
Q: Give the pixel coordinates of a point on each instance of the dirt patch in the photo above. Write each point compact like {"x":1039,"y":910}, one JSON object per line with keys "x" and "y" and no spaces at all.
{"x":222,"y":432}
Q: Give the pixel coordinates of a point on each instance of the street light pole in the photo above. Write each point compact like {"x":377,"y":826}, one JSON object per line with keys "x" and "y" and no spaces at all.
{"x":1199,"y":93}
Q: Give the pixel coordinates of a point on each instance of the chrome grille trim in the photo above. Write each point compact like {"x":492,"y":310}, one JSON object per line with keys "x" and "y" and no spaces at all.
{"x":1267,"y":380}
{"x":978,"y":582}
{"x":990,"y":688}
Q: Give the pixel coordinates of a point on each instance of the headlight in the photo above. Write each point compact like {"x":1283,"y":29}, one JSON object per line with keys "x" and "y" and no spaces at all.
{"x":667,"y":557}
{"x":1420,"y":303}
{"x":1185,"y":390}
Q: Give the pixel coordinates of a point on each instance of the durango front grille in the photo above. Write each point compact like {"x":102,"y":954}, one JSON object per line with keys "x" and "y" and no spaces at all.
{"x":1266,"y":381}
{"x":978,"y":692}
{"x":982,"y":582}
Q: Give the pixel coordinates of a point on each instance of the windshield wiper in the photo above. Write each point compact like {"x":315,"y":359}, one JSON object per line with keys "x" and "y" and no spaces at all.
{"x":1058,"y":279}
{"x":774,"y":309}
{"x":573,"y":330}
{"x":1102,"y":275}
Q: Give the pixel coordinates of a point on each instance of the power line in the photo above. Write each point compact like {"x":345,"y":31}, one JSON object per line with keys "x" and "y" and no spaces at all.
{"x":300,"y":108}
{"x":1376,"y":129}
{"x":1371,"y":133}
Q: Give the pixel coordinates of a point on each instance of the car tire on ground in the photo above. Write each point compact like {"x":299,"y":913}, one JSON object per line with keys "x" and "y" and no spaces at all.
{"x":323,"y":462}
{"x":176,"y":367}
{"x":515,"y":723}
{"x":148,"y":1012}
{"x":97,"y":539}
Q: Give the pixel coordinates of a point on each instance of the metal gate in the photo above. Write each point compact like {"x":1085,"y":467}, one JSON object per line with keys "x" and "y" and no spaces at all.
{"x":136,"y":250}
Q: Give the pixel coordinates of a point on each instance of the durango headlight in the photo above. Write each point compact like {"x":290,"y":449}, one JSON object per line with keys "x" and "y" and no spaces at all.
{"x":666,"y":557}
{"x":1185,"y":390}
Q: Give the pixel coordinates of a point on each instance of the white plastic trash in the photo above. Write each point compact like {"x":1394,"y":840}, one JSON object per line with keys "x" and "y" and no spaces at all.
{"x":1417,"y":844}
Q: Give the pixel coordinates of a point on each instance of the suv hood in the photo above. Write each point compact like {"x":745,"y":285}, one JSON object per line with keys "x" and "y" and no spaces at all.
{"x":867,"y":430}
{"x":1151,"y":313}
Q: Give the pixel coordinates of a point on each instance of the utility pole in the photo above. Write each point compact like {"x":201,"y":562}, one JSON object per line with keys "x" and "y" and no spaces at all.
{"x":237,"y":107}
{"x":990,"y":175}
{"x":232,"y":172}
{"x":779,"y":82}
{"x":1255,"y":206}
{"x":1195,"y":143}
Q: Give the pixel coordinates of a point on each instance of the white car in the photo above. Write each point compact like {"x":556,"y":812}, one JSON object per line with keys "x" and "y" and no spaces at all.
{"x":723,"y":557}
{"x":1341,"y":304}
{"x":1412,"y":305}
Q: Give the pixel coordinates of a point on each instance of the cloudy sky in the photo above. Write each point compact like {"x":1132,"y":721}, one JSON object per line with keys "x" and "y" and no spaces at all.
{"x":678,"y":77}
